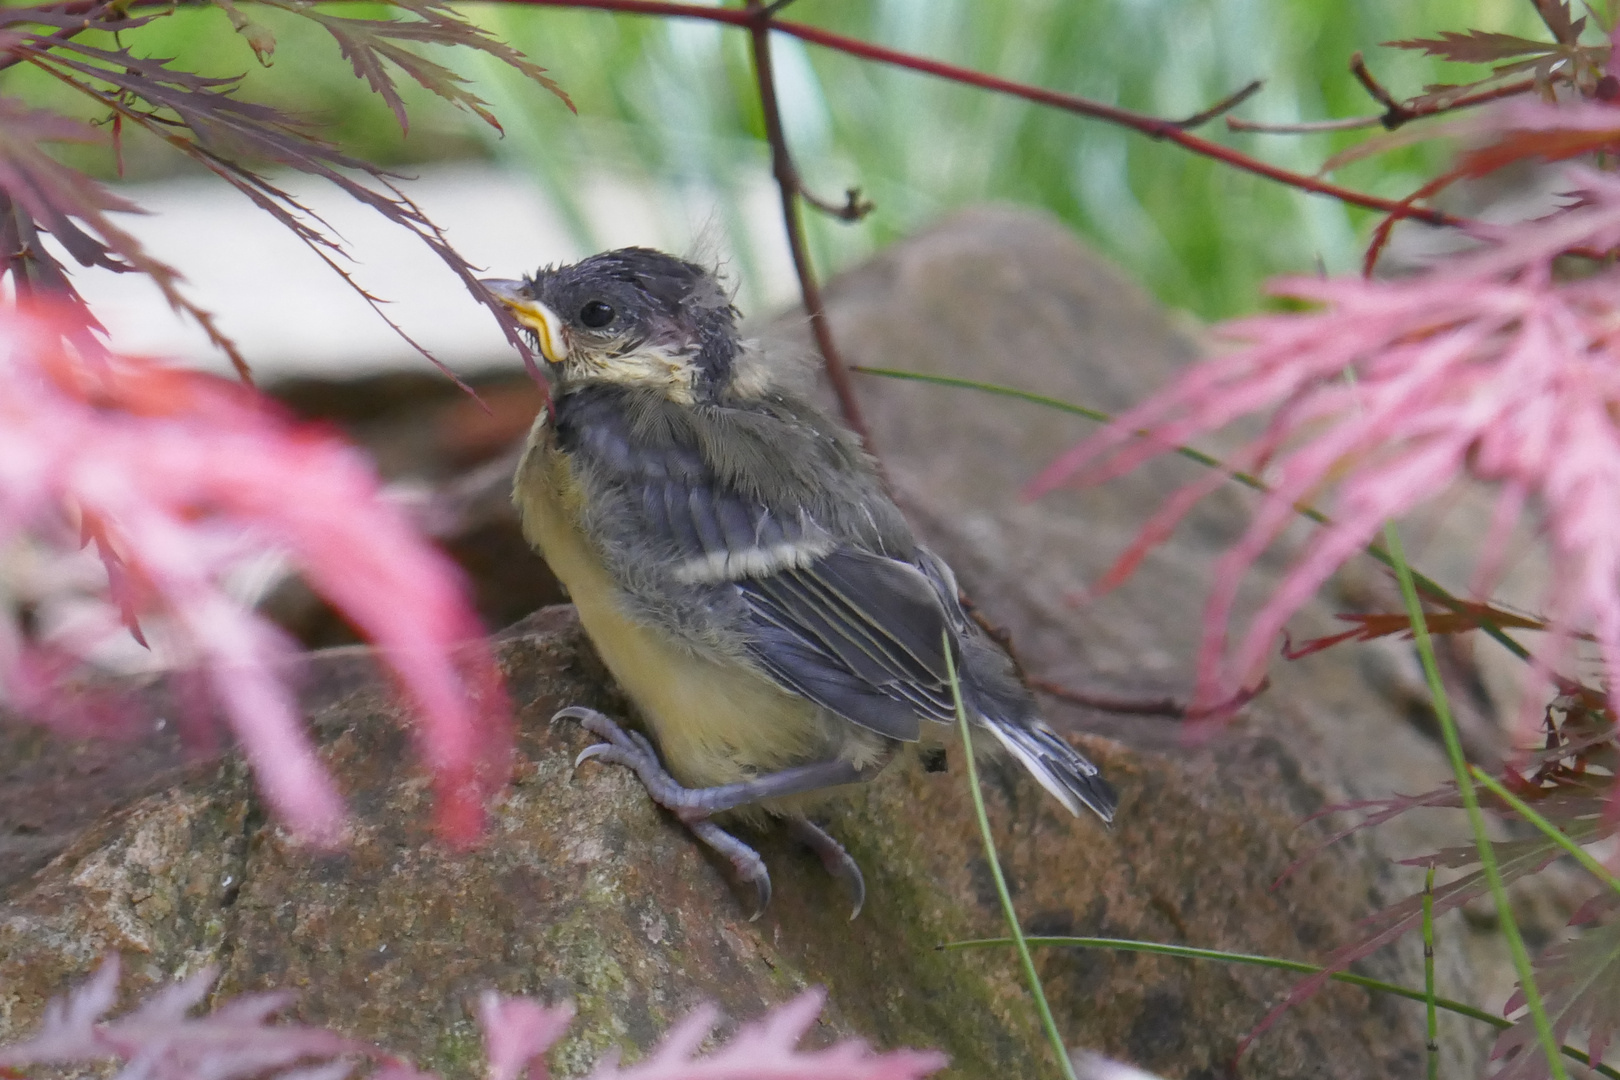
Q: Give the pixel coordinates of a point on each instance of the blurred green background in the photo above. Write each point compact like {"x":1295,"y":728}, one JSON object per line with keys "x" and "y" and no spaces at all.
{"x":669,"y":104}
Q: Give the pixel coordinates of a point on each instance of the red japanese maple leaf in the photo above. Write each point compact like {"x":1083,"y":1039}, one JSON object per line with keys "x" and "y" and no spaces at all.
{"x":237,"y":1040}
{"x":1382,"y":394}
{"x":178,"y":480}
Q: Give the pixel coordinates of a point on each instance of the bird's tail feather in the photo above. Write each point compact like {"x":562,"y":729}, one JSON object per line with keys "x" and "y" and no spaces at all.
{"x":1060,"y":768}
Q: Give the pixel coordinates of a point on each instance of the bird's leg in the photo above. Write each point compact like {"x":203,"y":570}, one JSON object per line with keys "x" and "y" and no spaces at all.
{"x":633,"y":750}
{"x":694,"y":806}
{"x":833,"y":856}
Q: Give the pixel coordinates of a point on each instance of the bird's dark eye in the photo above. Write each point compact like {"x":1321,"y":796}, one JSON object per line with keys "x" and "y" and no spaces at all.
{"x":596,"y":314}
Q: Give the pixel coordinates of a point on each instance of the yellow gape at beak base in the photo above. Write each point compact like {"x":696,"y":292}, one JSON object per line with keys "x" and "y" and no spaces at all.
{"x":536,"y":316}
{"x":546,"y":326}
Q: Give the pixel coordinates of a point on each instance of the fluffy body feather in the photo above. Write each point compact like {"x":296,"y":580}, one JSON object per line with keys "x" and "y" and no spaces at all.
{"x":734,"y":556}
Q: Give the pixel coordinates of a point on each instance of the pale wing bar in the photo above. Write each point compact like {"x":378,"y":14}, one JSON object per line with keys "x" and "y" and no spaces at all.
{"x":872,"y":619}
{"x":858,"y":633}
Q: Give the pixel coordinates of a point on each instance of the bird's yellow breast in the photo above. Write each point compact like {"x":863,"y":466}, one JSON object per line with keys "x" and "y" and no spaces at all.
{"x":715,"y":721}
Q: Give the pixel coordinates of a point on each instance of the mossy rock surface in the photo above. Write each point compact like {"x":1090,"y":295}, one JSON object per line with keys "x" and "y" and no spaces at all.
{"x":585,"y":891}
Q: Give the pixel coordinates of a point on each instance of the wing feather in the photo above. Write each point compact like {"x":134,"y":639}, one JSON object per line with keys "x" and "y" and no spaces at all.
{"x":829,"y":603}
{"x":859,"y":633}
{"x":876,"y":619}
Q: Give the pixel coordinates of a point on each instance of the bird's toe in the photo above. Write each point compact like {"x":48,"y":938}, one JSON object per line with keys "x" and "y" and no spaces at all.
{"x":839,"y":863}
{"x":744,"y":860}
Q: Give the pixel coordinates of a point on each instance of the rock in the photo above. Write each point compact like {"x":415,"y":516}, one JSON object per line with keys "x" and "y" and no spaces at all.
{"x":585,"y":891}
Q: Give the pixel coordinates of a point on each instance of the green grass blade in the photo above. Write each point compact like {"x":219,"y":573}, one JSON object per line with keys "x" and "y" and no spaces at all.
{"x":1551,"y":831}
{"x":1064,"y":406}
{"x":1430,"y":587}
{"x":1024,"y":957}
{"x":1186,"y":952}
{"x":1431,"y":1014}
{"x":1476,"y":817}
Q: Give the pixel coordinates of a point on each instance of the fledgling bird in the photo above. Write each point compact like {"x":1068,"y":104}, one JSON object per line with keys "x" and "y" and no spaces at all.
{"x":739,"y":567}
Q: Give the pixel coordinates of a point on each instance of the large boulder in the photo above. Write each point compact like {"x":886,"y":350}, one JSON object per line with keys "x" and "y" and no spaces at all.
{"x":583,"y":890}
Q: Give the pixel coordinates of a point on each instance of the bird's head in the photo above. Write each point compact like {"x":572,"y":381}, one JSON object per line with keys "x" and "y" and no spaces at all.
{"x":635,"y":317}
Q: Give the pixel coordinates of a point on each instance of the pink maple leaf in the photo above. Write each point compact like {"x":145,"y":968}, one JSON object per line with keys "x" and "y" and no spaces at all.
{"x":1487,"y":365}
{"x":763,"y":1050}
{"x":178,"y":480}
{"x":517,"y":1030}
{"x":160,"y":1040}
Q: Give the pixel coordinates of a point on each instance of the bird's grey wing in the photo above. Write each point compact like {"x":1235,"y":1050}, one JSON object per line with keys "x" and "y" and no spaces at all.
{"x":858,"y":633}
{"x":850,"y":628}
{"x":855,"y":631}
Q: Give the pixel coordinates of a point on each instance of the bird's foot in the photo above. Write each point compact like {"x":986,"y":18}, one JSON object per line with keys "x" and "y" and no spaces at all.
{"x":838,"y":862}
{"x":635,"y":751}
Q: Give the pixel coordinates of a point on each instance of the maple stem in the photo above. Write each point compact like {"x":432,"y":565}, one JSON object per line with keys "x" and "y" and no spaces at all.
{"x":1128,"y":706}
{"x":17,"y":55}
{"x":1221,"y":107}
{"x":1426,"y":585}
{"x":1304,"y":127}
{"x":1395,"y":114}
{"x":787,"y":180}
{"x":1154,"y":127}
{"x":1548,"y":829}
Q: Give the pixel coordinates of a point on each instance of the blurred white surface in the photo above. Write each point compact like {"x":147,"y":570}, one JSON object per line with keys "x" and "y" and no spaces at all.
{"x":290,"y":314}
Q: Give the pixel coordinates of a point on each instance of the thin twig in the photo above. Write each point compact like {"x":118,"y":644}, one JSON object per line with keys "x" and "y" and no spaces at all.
{"x":1125,"y":706}
{"x":787,"y":179}
{"x":1496,"y":93}
{"x":1408,"y":110}
{"x":1395,"y":113}
{"x":1152,"y":126}
{"x":853,"y":208}
{"x":1305,"y":127}
{"x":1225,"y":105}
{"x":1381,"y":234}
{"x":1168,"y":707}
{"x":1428,"y":586}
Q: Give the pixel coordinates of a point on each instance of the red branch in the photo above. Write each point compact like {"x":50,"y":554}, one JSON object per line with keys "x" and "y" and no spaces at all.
{"x":1152,"y":126}
{"x":1134,"y":706}
{"x":787,"y":179}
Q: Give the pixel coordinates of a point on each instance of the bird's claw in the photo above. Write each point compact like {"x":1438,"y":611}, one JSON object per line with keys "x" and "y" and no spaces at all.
{"x":762,"y":899}
{"x":594,"y":722}
{"x":631,"y":749}
{"x":594,"y":750}
{"x":635,"y":751}
{"x":839,"y":863}
{"x":744,"y":860}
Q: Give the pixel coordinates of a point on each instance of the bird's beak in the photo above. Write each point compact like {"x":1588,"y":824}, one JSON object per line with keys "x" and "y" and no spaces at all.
{"x":547,"y":327}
